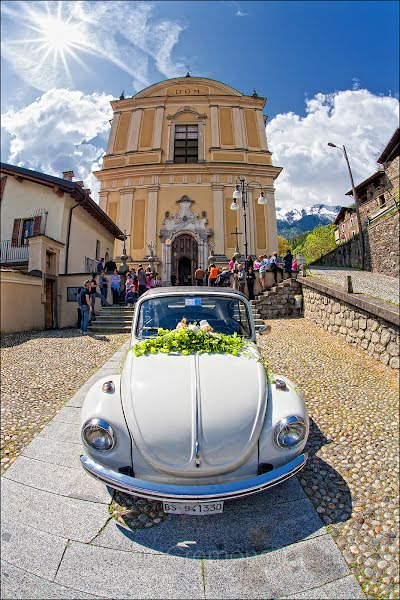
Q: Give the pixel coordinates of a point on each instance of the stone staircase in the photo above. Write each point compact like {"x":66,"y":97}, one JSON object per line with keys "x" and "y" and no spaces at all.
{"x":277,"y":302}
{"x":113,"y":319}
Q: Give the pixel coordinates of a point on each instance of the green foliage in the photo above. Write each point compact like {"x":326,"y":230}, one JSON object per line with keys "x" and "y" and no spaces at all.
{"x":283,"y":245}
{"x":317,"y":243}
{"x":185,"y":341}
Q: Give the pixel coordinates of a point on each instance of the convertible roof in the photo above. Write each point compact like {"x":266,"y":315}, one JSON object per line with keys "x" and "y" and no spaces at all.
{"x":190,"y":290}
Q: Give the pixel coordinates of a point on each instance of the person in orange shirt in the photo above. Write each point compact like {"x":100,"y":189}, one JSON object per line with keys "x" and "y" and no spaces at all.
{"x":214,"y":272}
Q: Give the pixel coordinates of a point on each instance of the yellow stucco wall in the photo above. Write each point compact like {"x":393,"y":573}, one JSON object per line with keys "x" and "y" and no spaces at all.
{"x":232,"y":144}
{"x":21,"y":302}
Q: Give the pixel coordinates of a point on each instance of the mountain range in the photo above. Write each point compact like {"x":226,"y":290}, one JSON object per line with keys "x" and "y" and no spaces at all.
{"x":293,"y":222}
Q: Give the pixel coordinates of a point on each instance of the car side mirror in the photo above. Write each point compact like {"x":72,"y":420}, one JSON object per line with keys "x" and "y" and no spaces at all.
{"x":265,"y":329}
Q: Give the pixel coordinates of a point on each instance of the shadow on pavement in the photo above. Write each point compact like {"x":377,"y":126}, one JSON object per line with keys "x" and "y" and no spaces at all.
{"x":272,"y":519}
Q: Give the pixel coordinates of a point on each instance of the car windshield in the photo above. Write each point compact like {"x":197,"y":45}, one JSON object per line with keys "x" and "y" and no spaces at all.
{"x":224,"y":314}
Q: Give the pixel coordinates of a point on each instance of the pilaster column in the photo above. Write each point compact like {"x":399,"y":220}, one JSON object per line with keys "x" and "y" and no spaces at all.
{"x":134,"y":129}
{"x":242,"y":127}
{"x":237,"y":125}
{"x":270,"y":217}
{"x":158,"y":121}
{"x":103,"y":197}
{"x":124,"y":220}
{"x":261,"y":130}
{"x":253,"y":199}
{"x":151,"y":214}
{"x":214,"y":127}
{"x":113,"y":133}
{"x":218,"y":198}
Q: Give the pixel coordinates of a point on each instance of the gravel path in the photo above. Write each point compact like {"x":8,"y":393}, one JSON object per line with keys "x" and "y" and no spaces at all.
{"x":373,"y":284}
{"x":40,"y":371}
{"x":352,"y":473}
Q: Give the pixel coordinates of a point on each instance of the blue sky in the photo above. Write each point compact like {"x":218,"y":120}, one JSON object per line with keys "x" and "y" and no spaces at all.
{"x":327,"y":69}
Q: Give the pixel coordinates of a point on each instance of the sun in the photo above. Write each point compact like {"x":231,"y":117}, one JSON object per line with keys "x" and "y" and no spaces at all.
{"x":57,"y":37}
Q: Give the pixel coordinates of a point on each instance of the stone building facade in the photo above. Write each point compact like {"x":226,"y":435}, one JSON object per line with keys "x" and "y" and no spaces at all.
{"x":174,"y":153}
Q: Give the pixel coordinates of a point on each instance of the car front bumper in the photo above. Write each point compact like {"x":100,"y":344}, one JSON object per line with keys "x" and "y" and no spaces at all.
{"x":198,"y":493}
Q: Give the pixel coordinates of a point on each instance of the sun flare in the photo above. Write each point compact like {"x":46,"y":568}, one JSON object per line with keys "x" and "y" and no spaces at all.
{"x":56,"y":37}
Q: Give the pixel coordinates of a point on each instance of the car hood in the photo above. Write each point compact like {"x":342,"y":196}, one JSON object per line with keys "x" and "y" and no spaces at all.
{"x":205,"y":408}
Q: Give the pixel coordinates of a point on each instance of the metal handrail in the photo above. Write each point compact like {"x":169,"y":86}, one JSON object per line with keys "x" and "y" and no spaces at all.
{"x":13,"y":253}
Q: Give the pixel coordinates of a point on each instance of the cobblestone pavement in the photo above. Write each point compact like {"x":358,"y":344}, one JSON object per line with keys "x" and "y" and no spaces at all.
{"x":40,"y":371}
{"x":60,"y":541}
{"x":352,"y":473}
{"x":373,"y":284}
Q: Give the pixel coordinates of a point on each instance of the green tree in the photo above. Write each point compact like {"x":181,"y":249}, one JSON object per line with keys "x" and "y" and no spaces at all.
{"x":317,"y":243}
{"x":283,"y":245}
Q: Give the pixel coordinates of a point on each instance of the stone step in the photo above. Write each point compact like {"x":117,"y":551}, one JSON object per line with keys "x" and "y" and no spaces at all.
{"x":111,"y":328}
{"x":106,"y":321}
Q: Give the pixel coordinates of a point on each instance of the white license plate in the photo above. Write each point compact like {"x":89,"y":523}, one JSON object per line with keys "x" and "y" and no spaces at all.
{"x":193,"y":508}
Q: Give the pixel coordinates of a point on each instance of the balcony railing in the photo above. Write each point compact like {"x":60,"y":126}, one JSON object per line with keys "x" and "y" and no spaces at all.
{"x":10,"y":254}
{"x":90,"y":265}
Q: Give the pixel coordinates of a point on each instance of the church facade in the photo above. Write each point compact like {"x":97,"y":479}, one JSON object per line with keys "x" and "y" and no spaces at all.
{"x":174,"y":154}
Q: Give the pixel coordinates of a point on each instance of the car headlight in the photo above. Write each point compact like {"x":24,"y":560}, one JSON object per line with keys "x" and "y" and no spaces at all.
{"x":99,"y":435}
{"x":290,"y":431}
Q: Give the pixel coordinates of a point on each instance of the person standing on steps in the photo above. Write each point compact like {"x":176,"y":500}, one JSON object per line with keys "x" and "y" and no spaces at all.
{"x":141,"y":281}
{"x":214,"y":272}
{"x":199,"y":276}
{"x":275,"y":268}
{"x":250,"y":279}
{"x":115,"y":286}
{"x":288,"y":261}
{"x":173,"y":279}
{"x":86,"y":305}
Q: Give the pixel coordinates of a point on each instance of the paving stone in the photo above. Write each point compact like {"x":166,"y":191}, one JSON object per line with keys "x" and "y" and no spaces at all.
{"x":280,"y":572}
{"x":119,"y":574}
{"x":51,"y":451}
{"x":63,"y":432}
{"x":20,"y":585}
{"x":68,"y":414}
{"x":263,"y":525}
{"x":35,"y":551}
{"x":66,"y":481}
{"x":67,"y":517}
{"x":346,"y":588}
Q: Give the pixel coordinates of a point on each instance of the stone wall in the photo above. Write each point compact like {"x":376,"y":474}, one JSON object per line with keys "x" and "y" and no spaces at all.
{"x":279,"y":301}
{"x":381,"y":248}
{"x":369,"y":324}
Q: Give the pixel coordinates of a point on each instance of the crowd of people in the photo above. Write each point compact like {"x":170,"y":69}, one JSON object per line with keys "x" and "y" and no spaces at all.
{"x":238,"y":275}
{"x":126,"y":290}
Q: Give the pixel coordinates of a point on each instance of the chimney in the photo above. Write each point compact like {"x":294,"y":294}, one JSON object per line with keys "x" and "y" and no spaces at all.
{"x":69,"y":175}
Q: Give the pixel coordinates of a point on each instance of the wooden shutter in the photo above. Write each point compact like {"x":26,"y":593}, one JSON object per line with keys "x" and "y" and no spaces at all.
{"x":16,"y":230}
{"x":37,"y":222}
{"x":2,"y":186}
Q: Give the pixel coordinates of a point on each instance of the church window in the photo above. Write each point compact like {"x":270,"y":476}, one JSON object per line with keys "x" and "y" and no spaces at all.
{"x":186,"y":146}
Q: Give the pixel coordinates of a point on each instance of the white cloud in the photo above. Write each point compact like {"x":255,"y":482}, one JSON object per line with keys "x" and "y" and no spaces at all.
{"x":241,"y":14}
{"x":125,"y":34}
{"x":60,"y":131}
{"x":312,"y":171}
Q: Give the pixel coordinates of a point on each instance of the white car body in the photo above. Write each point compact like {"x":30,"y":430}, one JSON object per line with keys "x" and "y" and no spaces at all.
{"x":197,"y":427}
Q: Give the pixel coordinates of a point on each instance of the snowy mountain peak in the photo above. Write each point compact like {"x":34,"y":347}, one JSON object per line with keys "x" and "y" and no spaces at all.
{"x":327,"y":213}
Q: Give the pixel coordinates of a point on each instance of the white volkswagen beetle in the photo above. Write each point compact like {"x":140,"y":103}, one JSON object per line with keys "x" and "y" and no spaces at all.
{"x":193,"y":430}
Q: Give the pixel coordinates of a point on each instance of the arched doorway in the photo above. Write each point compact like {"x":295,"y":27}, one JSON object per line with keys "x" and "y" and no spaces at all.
{"x":184,"y":258}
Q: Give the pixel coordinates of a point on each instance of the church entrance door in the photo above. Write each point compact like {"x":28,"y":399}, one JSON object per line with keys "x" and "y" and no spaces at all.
{"x":184,"y":258}
{"x":185,"y":271}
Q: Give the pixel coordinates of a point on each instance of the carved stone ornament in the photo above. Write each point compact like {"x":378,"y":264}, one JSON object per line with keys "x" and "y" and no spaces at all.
{"x":186,"y":109}
{"x":185,"y":218}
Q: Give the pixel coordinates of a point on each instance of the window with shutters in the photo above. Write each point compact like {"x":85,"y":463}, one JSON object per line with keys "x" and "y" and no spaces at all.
{"x":186,"y":144}
{"x":27,"y":231}
{"x":26,"y":228}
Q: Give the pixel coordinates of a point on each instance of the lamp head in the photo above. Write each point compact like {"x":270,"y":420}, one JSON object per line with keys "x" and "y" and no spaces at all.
{"x":237,"y":193}
{"x":262,"y":199}
{"x":332,"y":145}
{"x":234,"y":205}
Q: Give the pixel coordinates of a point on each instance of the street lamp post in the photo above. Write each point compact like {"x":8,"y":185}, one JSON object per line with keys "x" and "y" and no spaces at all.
{"x":241,"y":192}
{"x":360,"y":230}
